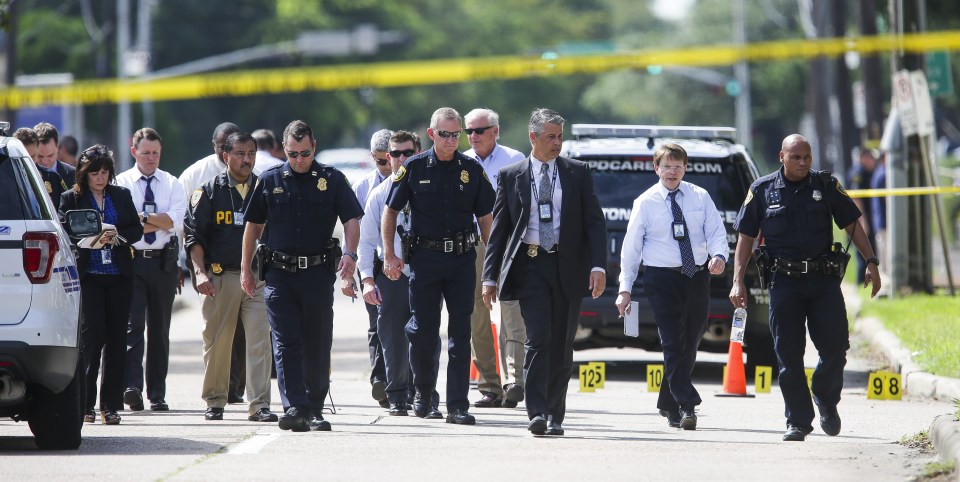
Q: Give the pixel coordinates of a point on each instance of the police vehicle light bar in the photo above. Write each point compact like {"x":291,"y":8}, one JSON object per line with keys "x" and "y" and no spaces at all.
{"x":588,"y":131}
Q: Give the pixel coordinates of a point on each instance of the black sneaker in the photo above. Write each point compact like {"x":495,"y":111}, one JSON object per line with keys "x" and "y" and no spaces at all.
{"x":461,"y":417}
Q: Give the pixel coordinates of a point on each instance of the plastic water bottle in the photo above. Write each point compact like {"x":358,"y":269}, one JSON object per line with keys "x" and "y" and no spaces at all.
{"x":739,"y":325}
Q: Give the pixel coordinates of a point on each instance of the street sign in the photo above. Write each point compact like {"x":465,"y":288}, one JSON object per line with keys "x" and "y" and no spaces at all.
{"x":904,"y":99}
{"x":939,"y":74}
{"x":922,"y":103}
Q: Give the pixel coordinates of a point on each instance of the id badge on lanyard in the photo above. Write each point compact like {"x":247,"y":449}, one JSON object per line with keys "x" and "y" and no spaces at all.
{"x":237,"y":218}
{"x":546,"y":212}
{"x":106,"y":256}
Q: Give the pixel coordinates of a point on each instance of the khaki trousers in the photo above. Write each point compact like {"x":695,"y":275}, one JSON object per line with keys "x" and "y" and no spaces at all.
{"x":481,"y":336}
{"x":220,"y":316}
{"x":513,"y":335}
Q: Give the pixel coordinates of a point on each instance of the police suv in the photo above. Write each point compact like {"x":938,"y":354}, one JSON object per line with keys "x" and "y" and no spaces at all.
{"x":621,"y":160}
{"x":41,"y":377}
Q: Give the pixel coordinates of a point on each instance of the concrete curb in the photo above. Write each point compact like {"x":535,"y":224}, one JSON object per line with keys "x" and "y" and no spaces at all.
{"x":945,"y":429}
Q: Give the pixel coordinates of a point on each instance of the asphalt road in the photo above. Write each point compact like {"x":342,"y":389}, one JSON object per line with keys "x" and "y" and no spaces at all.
{"x":614,"y":433}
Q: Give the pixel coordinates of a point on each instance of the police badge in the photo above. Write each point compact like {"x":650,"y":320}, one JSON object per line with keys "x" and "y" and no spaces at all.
{"x":532,"y":250}
{"x":216,"y":268}
{"x":464,"y":176}
{"x":322,"y":184}
{"x":816,"y":195}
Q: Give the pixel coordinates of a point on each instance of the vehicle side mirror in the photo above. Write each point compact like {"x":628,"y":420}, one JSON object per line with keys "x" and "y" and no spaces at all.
{"x":81,"y":223}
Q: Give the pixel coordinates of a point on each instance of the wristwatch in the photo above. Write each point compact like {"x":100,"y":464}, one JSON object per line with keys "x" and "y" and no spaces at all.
{"x":874,"y":261}
{"x":351,"y":255}
{"x":144,"y":218}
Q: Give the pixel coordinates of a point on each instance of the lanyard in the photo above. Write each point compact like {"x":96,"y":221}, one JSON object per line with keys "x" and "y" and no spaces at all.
{"x":533,"y":184}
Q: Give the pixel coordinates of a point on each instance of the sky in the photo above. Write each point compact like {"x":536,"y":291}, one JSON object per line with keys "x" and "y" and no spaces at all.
{"x":671,"y":9}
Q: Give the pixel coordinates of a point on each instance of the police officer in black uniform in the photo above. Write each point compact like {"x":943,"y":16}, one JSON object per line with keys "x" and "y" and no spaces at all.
{"x":300,"y":201}
{"x":792,"y":209}
{"x":445,"y":190}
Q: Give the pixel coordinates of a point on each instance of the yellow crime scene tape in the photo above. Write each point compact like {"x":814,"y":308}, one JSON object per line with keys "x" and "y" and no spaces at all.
{"x":902,"y":191}
{"x":450,"y":71}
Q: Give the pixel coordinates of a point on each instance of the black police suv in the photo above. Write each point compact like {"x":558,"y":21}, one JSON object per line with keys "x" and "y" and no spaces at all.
{"x":621,"y":159}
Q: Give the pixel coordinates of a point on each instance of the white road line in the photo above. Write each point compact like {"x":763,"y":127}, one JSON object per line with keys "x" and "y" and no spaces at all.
{"x":253,"y":444}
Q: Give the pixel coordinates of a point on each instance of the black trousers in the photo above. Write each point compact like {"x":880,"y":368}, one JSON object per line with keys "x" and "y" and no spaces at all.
{"x":679,"y":305}
{"x":150,"y":309}
{"x":551,"y":321}
{"x":378,"y":371}
{"x":103,"y":331}
{"x":238,"y":364}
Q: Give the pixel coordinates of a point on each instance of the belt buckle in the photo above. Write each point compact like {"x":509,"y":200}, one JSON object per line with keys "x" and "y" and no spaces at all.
{"x":301,"y":262}
{"x":806,"y":266}
{"x":448,"y":246}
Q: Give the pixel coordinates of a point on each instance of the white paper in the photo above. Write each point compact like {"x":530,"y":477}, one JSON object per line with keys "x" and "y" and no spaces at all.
{"x":631,"y":324}
{"x":96,"y":242}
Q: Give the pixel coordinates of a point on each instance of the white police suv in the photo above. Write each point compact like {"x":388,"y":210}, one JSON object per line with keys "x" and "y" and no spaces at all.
{"x":40,"y":370}
{"x":621,"y":160}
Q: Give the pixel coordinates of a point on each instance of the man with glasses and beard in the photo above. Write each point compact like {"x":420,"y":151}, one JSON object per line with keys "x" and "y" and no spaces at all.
{"x":379,"y":145}
{"x":296,"y":206}
{"x":446,"y":192}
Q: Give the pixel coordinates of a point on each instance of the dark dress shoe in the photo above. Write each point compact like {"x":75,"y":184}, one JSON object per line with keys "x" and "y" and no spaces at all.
{"x":538,"y":425}
{"x":673,"y":418}
{"x":316,"y":422}
{"x":213,"y":413}
{"x":234,"y":398}
{"x":461,"y":417}
{"x":434,"y":414}
{"x":795,"y":434}
{"x":398,"y":409}
{"x":159,"y":406}
{"x":132,"y":397}
{"x":554,"y":428}
{"x":89,"y":416}
{"x":263,"y":415}
{"x":423,"y":407}
{"x":489,"y":400}
{"x":378,"y":390}
{"x":384,"y":403}
{"x":829,"y":420}
{"x":110,"y":417}
{"x":294,"y":421}
{"x":512,"y":396}
{"x":688,"y":419}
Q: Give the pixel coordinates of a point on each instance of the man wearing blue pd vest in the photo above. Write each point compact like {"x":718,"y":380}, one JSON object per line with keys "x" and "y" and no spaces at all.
{"x":792,"y":209}
{"x":299,"y":201}
{"x":445,"y":190}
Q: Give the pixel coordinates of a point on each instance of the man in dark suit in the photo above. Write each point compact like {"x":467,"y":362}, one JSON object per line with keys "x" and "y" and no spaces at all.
{"x":546,"y":250}
{"x":47,"y":151}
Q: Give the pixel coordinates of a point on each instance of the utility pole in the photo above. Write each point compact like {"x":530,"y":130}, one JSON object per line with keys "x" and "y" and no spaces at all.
{"x":741,"y":71}
{"x":870,"y":73}
{"x":10,"y":51}
{"x":849,"y":137}
{"x":123,"y":107}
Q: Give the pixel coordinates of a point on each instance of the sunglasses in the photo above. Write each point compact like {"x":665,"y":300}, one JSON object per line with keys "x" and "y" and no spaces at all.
{"x":95,"y":152}
{"x":381,"y":162}
{"x":449,"y":135}
{"x":405,"y":153}
{"x":294,"y":154}
{"x":478,"y":130}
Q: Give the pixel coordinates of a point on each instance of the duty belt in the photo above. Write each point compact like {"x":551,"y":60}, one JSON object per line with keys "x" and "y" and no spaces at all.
{"x":291,"y":263}
{"x":460,"y":243}
{"x":148,"y":253}
{"x":796,"y":268}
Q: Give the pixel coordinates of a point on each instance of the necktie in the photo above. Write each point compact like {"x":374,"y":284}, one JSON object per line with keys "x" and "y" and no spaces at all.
{"x":242,"y":189}
{"x":689,"y":267}
{"x":148,"y":238}
{"x":546,"y":196}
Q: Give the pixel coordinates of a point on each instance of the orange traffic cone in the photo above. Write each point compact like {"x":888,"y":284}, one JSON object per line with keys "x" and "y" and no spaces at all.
{"x":474,"y":373}
{"x":735,"y":377}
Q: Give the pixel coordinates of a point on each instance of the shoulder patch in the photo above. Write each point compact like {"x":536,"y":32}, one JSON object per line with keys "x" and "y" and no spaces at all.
{"x":749,"y":197}
{"x":195,"y":197}
{"x":841,"y":190}
{"x":400,"y":173}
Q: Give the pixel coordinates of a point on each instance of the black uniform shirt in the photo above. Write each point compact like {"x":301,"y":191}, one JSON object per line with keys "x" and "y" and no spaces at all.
{"x":444,"y":196}
{"x":54,"y":184}
{"x":301,"y":210}
{"x":212,"y":220}
{"x":794,"y":217}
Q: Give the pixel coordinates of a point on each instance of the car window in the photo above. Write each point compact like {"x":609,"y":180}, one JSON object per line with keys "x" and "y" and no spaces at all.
{"x":21,"y":188}
{"x":11,"y":207}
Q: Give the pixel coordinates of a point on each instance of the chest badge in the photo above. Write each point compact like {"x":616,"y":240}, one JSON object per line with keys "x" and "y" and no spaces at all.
{"x":50,"y":187}
{"x":278,"y":190}
{"x":322,"y":184}
{"x":816,"y":195}
{"x":464,"y":176}
{"x":216,"y":268}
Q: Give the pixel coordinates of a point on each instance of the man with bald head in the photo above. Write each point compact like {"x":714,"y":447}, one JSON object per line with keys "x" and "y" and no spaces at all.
{"x":792,"y":208}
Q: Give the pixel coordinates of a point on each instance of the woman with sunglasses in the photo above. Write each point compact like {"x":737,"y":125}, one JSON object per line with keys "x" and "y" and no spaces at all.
{"x":106,"y":279}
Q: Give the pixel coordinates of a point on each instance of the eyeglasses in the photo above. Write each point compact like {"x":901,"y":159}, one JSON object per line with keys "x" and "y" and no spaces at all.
{"x":449,"y":135}
{"x":405,"y":152}
{"x":672,"y":168}
{"x":304,"y":154}
{"x":479,"y":130}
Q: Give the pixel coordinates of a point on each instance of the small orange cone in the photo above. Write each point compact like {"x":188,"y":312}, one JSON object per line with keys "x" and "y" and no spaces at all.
{"x":735,"y":378}
{"x":474,"y":373}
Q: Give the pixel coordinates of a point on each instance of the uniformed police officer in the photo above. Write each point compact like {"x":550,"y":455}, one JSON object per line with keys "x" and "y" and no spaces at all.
{"x":445,"y":190}
{"x":792,"y":208}
{"x":213,"y":232}
{"x":299,"y":201}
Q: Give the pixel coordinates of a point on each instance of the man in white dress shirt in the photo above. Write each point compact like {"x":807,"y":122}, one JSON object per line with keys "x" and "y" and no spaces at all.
{"x":379,"y":145}
{"x":483,"y":131}
{"x":267,"y":151}
{"x":677,"y":233}
{"x":162,"y":205}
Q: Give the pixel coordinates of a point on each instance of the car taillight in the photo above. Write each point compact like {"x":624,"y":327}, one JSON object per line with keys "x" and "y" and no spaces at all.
{"x":39,"y":251}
